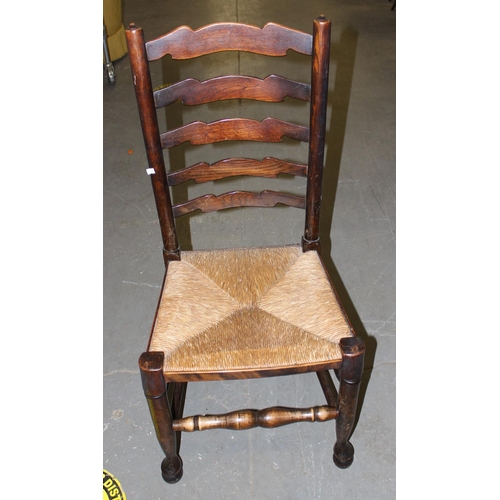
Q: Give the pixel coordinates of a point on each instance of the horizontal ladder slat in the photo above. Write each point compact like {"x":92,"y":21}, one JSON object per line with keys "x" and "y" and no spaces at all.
{"x":235,"y":199}
{"x":247,"y":419}
{"x":273,"y":88}
{"x":186,"y":43}
{"x":268,"y":167}
{"x":234,"y":129}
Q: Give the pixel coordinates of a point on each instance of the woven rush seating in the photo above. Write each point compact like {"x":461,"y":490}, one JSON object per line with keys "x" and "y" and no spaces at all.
{"x":247,"y":308}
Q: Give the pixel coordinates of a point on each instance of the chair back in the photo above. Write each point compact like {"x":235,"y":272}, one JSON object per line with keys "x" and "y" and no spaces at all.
{"x":272,"y":40}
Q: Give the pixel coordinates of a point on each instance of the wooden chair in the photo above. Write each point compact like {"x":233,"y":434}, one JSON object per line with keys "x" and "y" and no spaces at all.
{"x":245,"y":312}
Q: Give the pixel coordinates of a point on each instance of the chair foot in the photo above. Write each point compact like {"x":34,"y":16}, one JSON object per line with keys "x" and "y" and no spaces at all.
{"x":343,"y":455}
{"x":171,"y":469}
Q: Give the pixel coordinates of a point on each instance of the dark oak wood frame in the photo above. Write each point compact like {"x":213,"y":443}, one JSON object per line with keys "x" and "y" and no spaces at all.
{"x":165,"y":391}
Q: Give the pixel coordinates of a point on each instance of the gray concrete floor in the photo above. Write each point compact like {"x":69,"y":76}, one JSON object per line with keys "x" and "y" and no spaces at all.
{"x":358,"y":233}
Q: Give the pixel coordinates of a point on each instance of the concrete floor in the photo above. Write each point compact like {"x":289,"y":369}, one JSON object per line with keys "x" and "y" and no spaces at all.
{"x":358,"y":234}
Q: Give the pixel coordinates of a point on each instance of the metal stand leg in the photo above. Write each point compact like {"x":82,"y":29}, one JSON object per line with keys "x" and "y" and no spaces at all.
{"x":110,"y":69}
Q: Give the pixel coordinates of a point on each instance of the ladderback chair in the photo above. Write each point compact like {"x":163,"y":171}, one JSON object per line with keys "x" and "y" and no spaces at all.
{"x":243,"y":312}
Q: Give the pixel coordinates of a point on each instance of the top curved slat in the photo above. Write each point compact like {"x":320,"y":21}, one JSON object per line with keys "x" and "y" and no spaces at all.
{"x":272,"y":40}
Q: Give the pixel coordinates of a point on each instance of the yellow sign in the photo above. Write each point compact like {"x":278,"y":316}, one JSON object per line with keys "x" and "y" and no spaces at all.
{"x":111,"y":488}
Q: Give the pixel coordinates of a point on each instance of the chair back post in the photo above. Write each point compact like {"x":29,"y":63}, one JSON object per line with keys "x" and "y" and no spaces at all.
{"x":149,"y":123}
{"x":319,"y":96}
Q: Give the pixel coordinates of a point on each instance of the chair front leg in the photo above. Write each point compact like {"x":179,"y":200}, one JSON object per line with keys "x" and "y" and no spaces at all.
{"x":353,"y":352}
{"x":155,"y":389}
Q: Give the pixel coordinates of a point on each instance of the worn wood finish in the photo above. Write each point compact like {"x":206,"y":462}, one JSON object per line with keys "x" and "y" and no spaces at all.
{"x":191,"y":92}
{"x":353,"y":352}
{"x":247,"y":419}
{"x":204,"y":172}
{"x":319,"y":96}
{"x":143,"y":90}
{"x":236,"y":199}
{"x":155,"y":390}
{"x":272,"y":40}
{"x":248,"y":374}
{"x":234,"y":129}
